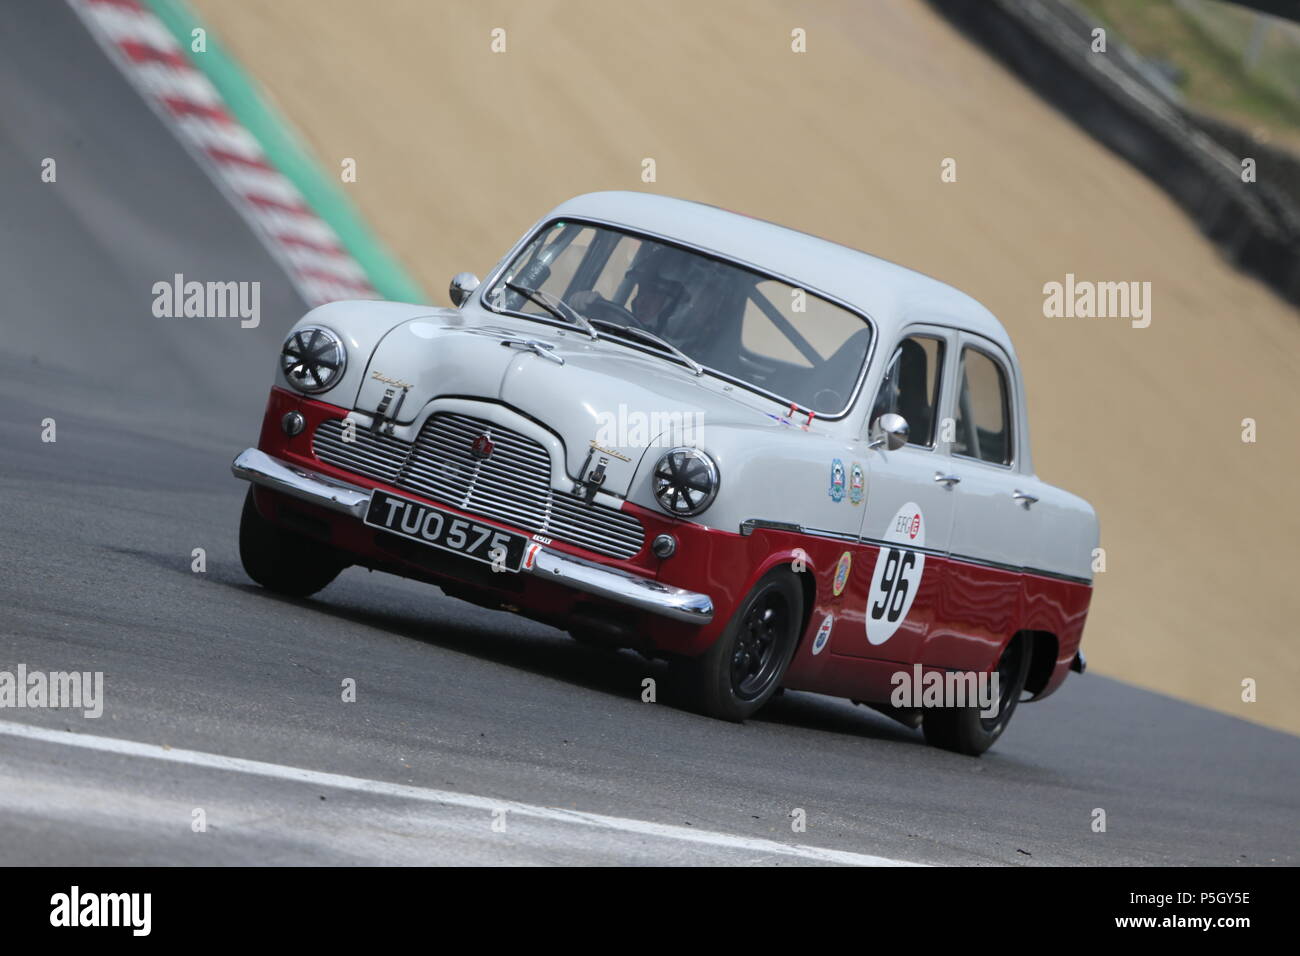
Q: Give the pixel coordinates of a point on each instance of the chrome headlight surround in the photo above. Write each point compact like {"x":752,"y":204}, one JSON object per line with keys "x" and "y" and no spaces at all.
{"x":685,"y":481}
{"x":313,"y":359}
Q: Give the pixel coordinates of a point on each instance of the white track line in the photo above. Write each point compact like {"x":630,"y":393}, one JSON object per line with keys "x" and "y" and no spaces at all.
{"x":195,"y":758}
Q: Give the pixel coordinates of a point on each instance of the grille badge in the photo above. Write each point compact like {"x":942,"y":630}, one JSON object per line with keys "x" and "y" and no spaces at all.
{"x":482,"y":447}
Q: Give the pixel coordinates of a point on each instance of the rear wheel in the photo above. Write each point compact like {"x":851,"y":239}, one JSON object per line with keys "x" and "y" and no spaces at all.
{"x":744,"y":667}
{"x":280,"y":560}
{"x":964,"y":729}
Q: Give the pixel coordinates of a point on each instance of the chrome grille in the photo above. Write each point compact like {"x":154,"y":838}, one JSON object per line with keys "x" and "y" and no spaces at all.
{"x":512,"y":486}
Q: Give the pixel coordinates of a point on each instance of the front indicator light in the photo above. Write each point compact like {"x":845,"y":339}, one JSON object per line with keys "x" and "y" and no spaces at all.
{"x":664,"y":546}
{"x":293,"y":423}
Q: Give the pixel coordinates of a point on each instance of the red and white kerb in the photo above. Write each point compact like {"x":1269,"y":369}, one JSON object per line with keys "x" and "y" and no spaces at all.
{"x":304,"y":244}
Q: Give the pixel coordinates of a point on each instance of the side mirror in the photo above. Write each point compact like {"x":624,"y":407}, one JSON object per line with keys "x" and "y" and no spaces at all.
{"x":889,"y":430}
{"x":462,"y":285}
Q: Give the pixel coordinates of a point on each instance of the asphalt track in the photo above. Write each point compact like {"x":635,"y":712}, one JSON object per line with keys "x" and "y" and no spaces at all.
{"x":460,"y":711}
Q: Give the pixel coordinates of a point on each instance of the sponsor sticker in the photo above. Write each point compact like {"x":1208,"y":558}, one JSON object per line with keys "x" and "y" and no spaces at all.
{"x":837,"y":481}
{"x":857,"y":482}
{"x":530,"y":556}
{"x":823,"y":634}
{"x":841,"y":574}
{"x":897,"y":575}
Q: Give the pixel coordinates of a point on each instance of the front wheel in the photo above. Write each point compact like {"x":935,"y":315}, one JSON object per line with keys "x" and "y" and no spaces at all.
{"x":964,"y":729}
{"x":744,"y":667}
{"x":280,"y":560}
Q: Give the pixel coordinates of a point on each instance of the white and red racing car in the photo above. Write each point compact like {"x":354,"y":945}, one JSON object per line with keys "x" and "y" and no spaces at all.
{"x":770,"y":459}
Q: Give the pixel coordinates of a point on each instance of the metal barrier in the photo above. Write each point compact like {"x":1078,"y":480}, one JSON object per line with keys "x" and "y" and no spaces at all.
{"x":1134,"y":112}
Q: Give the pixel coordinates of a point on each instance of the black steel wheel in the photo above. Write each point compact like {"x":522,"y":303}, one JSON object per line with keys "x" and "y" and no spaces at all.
{"x":964,"y":729}
{"x":280,"y":560}
{"x":744,"y":667}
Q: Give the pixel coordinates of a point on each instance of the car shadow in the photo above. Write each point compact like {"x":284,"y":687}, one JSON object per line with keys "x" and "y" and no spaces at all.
{"x":542,"y":650}
{"x":833,"y":715}
{"x":547,"y":652}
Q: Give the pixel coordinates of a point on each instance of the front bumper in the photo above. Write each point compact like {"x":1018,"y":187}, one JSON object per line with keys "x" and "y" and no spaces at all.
{"x":612,"y":584}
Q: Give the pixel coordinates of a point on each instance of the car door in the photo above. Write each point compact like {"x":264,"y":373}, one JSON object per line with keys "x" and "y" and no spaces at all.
{"x":992,"y":528}
{"x":908,"y":509}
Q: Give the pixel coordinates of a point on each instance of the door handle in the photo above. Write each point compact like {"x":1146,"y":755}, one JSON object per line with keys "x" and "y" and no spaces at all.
{"x":1023,"y":498}
{"x":948,"y":480}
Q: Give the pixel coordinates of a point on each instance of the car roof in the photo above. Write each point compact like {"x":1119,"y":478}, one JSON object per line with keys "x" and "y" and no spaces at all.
{"x":890,"y":294}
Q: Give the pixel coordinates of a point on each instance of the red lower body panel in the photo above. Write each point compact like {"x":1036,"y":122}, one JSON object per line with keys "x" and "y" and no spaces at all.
{"x":962,"y":617}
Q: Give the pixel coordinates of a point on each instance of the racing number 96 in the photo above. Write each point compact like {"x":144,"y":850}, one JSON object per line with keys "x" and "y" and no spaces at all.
{"x":893,"y":586}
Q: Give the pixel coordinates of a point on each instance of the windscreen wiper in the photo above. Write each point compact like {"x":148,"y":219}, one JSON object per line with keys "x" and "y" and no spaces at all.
{"x":556,"y":306}
{"x":663,"y":343}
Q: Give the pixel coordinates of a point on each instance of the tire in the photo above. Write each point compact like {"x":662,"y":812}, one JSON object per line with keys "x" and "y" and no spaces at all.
{"x":962,"y":729}
{"x":744,"y":667}
{"x":280,"y":560}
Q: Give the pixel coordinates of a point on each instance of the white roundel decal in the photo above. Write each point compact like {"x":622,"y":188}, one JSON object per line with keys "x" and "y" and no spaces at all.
{"x":823,"y":634}
{"x":897,"y":576}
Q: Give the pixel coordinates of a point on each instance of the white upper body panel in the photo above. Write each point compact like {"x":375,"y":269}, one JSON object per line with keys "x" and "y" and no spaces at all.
{"x":891,"y":296}
{"x":771,"y":468}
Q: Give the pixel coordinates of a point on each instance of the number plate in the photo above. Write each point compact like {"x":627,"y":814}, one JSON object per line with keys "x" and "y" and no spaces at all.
{"x":442,"y":529}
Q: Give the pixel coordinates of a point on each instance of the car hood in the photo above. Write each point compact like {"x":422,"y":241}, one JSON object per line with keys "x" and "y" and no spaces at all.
{"x":619,"y":399}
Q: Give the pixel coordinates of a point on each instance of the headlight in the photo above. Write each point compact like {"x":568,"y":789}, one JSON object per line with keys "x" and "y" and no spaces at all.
{"x":685,"y":481}
{"x":313,"y":359}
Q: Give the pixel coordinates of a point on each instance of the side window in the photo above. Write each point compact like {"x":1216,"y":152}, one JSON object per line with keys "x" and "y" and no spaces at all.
{"x":911,"y":386}
{"x":983,"y":410}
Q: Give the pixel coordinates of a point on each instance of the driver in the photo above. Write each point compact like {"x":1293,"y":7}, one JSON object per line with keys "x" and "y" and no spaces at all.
{"x":658,"y":275}
{"x":667,"y":291}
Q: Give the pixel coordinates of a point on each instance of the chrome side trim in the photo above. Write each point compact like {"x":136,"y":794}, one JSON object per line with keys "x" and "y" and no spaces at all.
{"x":611,"y":583}
{"x":1019,"y":569}
{"x":261,"y":469}
{"x":622,"y":587}
{"x":919,"y":549}
{"x":750,"y":525}
{"x":834,"y":535}
{"x":982,"y":562}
